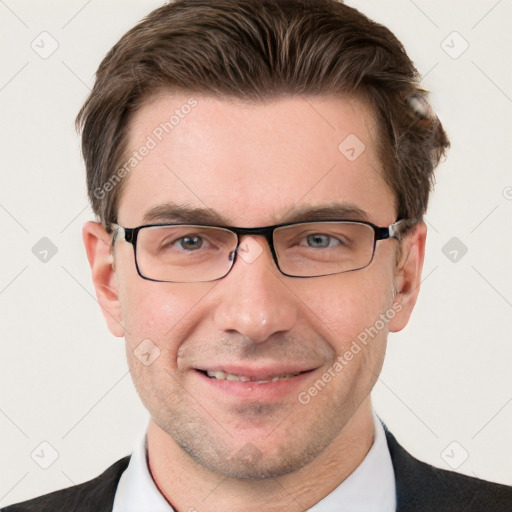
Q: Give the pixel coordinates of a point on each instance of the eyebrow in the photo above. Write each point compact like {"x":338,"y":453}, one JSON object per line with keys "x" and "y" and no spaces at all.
{"x":333,"y":211}
{"x":175,"y":213}
{"x":181,"y":213}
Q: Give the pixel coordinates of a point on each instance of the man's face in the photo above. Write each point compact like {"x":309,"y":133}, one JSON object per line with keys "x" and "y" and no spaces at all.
{"x":256,"y":165}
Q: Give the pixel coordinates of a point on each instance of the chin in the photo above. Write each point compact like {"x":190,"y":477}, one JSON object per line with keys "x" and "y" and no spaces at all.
{"x":250,"y":463}
{"x":233,"y":458}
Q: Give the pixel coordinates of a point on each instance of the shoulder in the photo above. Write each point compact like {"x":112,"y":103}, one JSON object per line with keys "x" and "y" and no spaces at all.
{"x":422,"y":487}
{"x":94,"y":495}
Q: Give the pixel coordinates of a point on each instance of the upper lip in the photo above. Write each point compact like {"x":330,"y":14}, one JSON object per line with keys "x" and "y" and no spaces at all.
{"x":259,"y":372}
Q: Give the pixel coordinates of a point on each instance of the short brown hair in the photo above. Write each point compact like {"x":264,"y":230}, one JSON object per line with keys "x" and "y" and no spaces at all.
{"x":258,"y":50}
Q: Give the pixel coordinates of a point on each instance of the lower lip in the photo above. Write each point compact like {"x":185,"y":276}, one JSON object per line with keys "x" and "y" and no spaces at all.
{"x":264,"y":391}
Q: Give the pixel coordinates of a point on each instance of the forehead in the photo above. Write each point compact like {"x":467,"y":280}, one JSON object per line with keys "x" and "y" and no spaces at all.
{"x":253,"y":163}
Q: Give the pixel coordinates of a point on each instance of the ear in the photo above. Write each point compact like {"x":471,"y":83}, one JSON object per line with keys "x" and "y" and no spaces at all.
{"x":408,"y":275}
{"x":97,"y":243}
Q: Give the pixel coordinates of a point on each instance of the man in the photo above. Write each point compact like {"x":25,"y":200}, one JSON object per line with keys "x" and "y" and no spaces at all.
{"x":260,"y":171}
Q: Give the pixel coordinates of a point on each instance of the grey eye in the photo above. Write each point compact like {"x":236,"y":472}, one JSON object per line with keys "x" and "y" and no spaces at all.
{"x":190,"y":242}
{"x":319,"y":241}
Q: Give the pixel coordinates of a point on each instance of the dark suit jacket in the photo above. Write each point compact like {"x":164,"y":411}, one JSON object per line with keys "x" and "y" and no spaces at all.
{"x":419,"y":488}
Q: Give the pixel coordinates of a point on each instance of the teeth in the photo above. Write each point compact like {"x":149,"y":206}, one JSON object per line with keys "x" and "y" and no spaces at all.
{"x":217,"y":375}
{"x":220,"y":375}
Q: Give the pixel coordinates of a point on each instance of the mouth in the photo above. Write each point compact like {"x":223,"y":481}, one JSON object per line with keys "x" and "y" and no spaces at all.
{"x":222,"y":375}
{"x":264,"y":384}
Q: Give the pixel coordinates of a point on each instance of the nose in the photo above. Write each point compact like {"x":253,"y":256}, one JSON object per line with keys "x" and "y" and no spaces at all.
{"x":255,"y":300}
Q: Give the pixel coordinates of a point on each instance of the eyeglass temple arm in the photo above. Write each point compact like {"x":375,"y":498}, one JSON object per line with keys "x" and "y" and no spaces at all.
{"x":119,"y":233}
{"x":395,"y":230}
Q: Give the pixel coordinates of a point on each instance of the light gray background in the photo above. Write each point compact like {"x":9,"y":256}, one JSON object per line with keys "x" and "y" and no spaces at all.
{"x":64,"y":377}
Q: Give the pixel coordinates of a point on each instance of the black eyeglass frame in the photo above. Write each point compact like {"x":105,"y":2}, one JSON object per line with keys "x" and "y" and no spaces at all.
{"x":380,"y":233}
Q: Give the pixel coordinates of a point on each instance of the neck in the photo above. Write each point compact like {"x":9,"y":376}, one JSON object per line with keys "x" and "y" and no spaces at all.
{"x":190,"y":487}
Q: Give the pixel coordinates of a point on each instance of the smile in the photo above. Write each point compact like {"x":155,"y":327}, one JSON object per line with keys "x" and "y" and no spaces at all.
{"x":220,"y":375}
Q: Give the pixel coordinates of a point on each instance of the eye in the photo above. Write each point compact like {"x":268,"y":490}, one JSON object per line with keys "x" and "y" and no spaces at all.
{"x":190,"y":242}
{"x":319,"y":241}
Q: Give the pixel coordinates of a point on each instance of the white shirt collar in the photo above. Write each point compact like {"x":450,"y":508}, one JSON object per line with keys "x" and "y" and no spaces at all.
{"x":136,"y":491}
{"x":370,"y":487}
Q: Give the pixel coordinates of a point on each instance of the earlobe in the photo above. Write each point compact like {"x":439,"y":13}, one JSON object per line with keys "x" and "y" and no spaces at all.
{"x":408,"y":275}
{"x":97,"y":242}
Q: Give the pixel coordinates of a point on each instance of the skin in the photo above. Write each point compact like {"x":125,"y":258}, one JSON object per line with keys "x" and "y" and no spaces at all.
{"x":255,"y":164}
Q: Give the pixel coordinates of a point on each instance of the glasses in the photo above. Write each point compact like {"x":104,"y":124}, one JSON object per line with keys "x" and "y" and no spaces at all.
{"x":189,"y":253}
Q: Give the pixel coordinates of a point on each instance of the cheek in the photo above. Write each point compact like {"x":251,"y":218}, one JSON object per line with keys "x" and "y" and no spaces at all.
{"x":350,"y":304}
{"x":152,"y":310}
{"x":158,"y":317}
{"x":146,"y":313}
{"x":165,"y":313}
{"x":353,"y":313}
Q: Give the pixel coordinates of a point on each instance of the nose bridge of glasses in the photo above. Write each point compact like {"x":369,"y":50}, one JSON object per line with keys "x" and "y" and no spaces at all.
{"x":248,"y":247}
